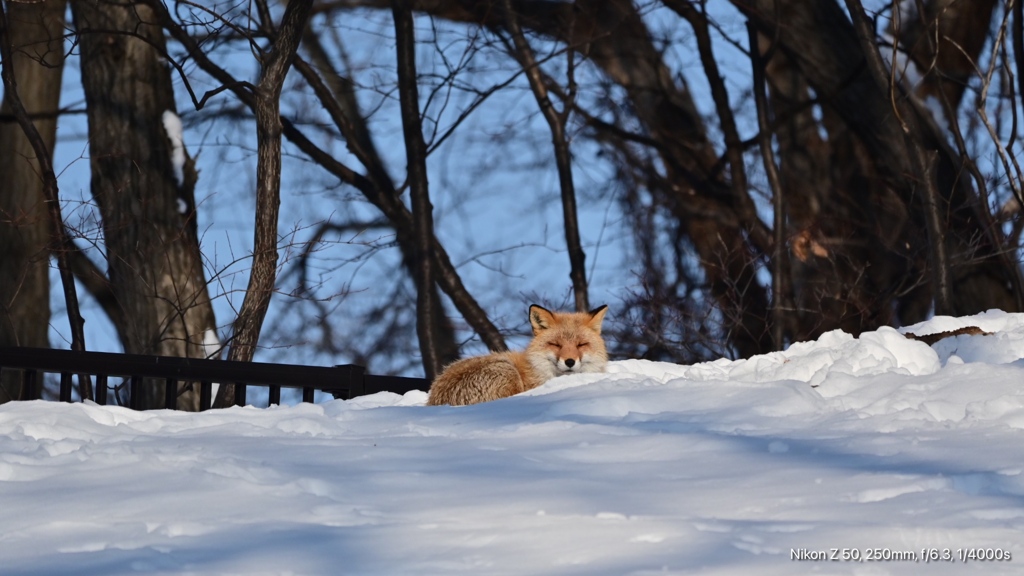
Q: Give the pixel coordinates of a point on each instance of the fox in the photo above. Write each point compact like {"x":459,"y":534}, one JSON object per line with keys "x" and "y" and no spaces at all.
{"x":563,"y":343}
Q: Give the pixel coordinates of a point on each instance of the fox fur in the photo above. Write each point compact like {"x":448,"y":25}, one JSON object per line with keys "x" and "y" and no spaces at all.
{"x":563,"y":343}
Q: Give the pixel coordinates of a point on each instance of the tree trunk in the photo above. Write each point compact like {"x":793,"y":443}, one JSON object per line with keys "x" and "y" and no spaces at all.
{"x":146,"y":201}
{"x":262,"y":278}
{"x":276,"y":62}
{"x":36,"y":31}
{"x":422,"y":211}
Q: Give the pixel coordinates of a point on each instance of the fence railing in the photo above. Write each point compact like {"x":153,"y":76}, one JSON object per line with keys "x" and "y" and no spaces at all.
{"x":345,"y":381}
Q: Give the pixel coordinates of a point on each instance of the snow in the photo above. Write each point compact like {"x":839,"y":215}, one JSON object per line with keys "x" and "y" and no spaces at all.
{"x":172,"y":125}
{"x":873,"y":446}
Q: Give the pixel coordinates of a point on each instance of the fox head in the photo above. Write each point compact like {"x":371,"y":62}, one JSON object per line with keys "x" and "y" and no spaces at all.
{"x":567,"y":343}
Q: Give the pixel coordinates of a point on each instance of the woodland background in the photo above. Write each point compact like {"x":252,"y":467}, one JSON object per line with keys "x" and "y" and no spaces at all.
{"x":392,"y":183}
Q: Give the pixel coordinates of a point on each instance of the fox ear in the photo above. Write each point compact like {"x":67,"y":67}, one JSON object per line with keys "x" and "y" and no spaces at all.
{"x":540,"y":319}
{"x":596,"y":317}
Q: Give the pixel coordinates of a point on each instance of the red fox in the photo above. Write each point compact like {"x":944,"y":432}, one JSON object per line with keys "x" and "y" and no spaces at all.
{"x":563,"y":343}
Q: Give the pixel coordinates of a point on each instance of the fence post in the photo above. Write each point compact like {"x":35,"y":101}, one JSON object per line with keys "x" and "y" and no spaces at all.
{"x":352,"y":378}
{"x":239,"y":393}
{"x":171,"y":394}
{"x":65,"y":386}
{"x":33,"y":390}
{"x":135,"y":391}
{"x":101,"y":389}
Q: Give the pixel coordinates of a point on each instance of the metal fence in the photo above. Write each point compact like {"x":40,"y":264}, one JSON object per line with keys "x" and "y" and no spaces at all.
{"x":345,"y":381}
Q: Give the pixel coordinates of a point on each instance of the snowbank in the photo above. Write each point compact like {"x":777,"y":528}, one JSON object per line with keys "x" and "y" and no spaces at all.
{"x":877,"y":446}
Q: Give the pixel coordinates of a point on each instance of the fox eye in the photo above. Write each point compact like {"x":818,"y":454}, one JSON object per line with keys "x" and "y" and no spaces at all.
{"x":582,"y":345}
{"x":554,"y":344}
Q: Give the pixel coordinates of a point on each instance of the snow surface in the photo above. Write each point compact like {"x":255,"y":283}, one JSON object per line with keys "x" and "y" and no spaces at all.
{"x":878,"y":444}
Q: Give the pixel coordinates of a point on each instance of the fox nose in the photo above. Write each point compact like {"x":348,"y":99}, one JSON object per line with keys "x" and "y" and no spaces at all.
{"x":569,"y":362}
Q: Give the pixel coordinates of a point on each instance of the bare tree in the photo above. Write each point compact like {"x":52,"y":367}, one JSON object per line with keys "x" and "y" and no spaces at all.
{"x":34,"y":41}
{"x":275,"y":64}
{"x":37,"y":27}
{"x":859,"y":259}
{"x":422,"y":210}
{"x":145,"y":199}
{"x":840,"y":199}
{"x":374,"y":187}
{"x":274,"y":67}
{"x":821,"y":41}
